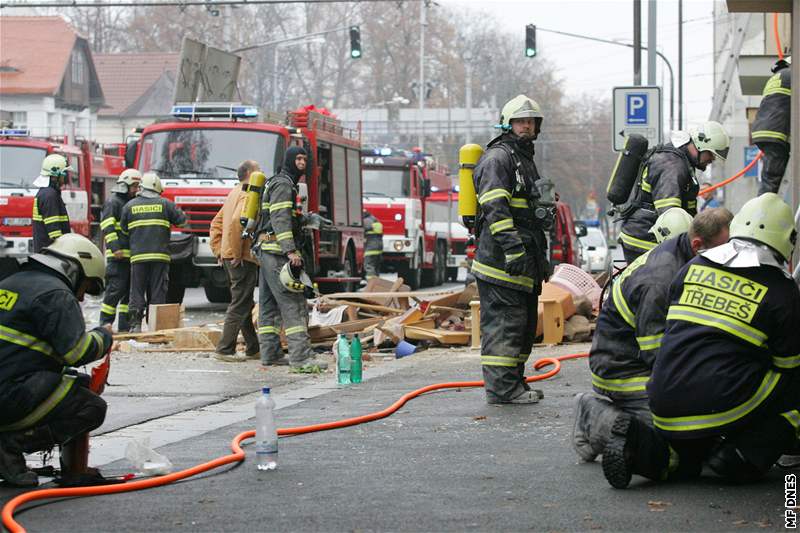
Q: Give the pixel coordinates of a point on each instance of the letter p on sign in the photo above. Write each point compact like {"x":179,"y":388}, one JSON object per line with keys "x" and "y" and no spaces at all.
{"x":636,"y":108}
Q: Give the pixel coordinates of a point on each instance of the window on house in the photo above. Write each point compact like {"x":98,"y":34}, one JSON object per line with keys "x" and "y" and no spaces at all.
{"x":20,"y":119}
{"x":78,"y":67}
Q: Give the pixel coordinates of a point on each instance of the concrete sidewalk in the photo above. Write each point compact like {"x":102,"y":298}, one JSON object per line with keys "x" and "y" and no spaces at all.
{"x":446,"y":461}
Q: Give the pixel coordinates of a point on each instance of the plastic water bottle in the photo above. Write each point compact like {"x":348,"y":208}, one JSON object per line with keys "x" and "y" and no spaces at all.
{"x":355,"y":356}
{"x":266,"y":432}
{"x":343,"y":360}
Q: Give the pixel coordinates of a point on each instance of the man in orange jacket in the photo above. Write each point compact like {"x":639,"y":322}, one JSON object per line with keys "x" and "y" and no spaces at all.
{"x":229,"y":247}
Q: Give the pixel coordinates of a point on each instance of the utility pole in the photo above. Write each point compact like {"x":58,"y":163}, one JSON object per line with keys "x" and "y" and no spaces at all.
{"x":422,"y":24}
{"x":680,"y":64}
{"x":637,"y":42}
{"x":226,"y":27}
{"x":652,"y":10}
{"x":468,"y":92}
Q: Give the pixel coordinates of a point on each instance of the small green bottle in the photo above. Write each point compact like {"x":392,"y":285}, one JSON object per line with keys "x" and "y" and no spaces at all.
{"x":344,"y":362}
{"x":355,"y":360}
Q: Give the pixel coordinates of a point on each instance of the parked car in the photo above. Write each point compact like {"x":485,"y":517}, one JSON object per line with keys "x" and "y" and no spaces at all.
{"x":564,"y":244}
{"x":597,"y":255}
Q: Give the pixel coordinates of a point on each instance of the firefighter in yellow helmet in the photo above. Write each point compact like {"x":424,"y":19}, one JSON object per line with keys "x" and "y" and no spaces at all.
{"x":42,"y":338}
{"x":725,"y":386}
{"x":118,"y":252}
{"x":511,"y":261}
{"x":50,"y":217}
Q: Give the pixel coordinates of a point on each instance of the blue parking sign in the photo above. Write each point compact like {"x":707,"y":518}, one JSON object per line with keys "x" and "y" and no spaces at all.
{"x":636,"y":108}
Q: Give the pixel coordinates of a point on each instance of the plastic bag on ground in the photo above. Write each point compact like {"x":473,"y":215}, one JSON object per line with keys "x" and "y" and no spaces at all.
{"x":146,"y":460}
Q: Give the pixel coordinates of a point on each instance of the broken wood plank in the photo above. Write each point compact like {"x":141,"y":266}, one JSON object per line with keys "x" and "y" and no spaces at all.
{"x":372,"y":307}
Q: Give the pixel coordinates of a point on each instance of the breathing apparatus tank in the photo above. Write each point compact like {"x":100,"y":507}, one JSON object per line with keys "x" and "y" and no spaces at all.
{"x":468,"y":157}
{"x":626,"y":169}
{"x":252,"y":202}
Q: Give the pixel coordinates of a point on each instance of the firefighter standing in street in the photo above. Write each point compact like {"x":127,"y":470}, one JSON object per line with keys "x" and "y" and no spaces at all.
{"x":771,"y":128}
{"x":281,"y":296}
{"x":725,"y":386}
{"x":373,"y":250}
{"x":511,"y":262}
{"x":632,"y":322}
{"x":668,"y":180}
{"x":42,"y":335}
{"x":50,"y":218}
{"x":146,"y":220}
{"x":118,"y":253}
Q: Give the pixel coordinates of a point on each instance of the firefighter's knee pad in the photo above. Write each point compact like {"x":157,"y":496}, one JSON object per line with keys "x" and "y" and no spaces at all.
{"x":728,"y":462}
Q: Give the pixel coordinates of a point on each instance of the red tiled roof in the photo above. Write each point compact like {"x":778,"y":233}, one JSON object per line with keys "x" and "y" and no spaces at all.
{"x":38,"y":49}
{"x":126,"y":77}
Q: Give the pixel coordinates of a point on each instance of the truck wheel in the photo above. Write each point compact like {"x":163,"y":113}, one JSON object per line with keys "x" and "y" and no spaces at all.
{"x":217,"y":295}
{"x":441,"y":265}
{"x":414,"y":276}
{"x":349,"y":268}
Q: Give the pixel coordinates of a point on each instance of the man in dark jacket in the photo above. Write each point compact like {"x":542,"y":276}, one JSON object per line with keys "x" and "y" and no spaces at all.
{"x":725,"y":386}
{"x":668,"y":180}
{"x":118,"y":252}
{"x":50,"y":218}
{"x":373,"y":249}
{"x":510,"y":264}
{"x":632,"y":322}
{"x":771,"y":128}
{"x":279,"y":240}
{"x":42,"y":337}
{"x":147,"y":220}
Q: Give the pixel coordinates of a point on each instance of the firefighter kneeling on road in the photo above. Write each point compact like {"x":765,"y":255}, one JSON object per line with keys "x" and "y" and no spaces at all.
{"x":373,"y":250}
{"x":146,"y":220}
{"x":511,"y":260}
{"x":281,"y":298}
{"x":42,"y":335}
{"x":50,"y":217}
{"x":631,"y":325}
{"x":118,"y":252}
{"x":725,"y":386}
{"x":667,"y":180}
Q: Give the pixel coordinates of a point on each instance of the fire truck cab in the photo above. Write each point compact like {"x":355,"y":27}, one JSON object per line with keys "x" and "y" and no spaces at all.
{"x":398,"y":185}
{"x":20,"y":164}
{"x":197,"y":156}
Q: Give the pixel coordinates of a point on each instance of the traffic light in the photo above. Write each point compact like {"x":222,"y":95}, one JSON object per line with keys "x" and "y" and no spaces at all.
{"x":530,"y":40}
{"x":355,"y":42}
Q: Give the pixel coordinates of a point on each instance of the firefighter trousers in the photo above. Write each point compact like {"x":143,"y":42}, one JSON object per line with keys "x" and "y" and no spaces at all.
{"x":277,"y":306}
{"x":243,"y":280}
{"x":775,"y":159}
{"x":149,"y":282}
{"x":508,"y":329}
{"x":115,"y":301}
{"x":372,"y":264}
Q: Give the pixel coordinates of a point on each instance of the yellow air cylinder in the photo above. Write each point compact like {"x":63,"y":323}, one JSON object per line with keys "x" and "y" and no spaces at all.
{"x":252,"y":201}
{"x":468,"y":157}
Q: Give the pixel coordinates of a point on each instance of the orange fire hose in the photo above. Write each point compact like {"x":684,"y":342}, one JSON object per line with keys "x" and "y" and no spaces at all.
{"x":734,"y":177}
{"x":238,"y":454}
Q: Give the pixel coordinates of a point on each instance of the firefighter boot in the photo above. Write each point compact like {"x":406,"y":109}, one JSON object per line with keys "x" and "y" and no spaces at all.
{"x":135,"y":321}
{"x":593,"y":417}
{"x":748,"y":456}
{"x":634,"y":448}
{"x":13,"y":468}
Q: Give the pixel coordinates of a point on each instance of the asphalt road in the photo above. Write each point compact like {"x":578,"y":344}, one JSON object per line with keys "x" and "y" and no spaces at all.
{"x":445,"y":462}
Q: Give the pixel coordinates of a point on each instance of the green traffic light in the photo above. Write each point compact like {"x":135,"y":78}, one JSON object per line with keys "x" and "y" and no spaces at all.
{"x":530,"y":52}
{"x":355,"y":54}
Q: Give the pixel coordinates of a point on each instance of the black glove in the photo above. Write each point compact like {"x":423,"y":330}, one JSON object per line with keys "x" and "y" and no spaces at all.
{"x":517,"y":265}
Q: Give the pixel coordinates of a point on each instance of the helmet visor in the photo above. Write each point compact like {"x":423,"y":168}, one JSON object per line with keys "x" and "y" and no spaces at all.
{"x":722,"y":154}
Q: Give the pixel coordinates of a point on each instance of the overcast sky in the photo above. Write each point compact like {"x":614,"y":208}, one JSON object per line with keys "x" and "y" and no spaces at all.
{"x":595,"y":68}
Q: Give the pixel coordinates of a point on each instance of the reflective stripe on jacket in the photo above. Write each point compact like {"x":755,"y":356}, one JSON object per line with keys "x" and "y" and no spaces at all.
{"x":279,"y":217}
{"x":50,"y":217}
{"x":147,"y":222}
{"x":772,"y":123}
{"x":110,"y":226}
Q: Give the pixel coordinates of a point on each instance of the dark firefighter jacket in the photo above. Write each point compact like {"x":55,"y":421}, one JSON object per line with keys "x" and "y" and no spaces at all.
{"x":111,"y":226}
{"x":373,"y":229}
{"x":632,"y":321}
{"x":667,"y":181}
{"x":731,"y":335}
{"x":147,"y":223}
{"x":507,"y":229}
{"x":41,"y":333}
{"x":281,"y":218}
{"x":772,"y":120}
{"x":50,"y":218}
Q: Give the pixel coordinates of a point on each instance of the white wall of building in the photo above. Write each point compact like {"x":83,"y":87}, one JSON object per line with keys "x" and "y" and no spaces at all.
{"x":41,"y":115}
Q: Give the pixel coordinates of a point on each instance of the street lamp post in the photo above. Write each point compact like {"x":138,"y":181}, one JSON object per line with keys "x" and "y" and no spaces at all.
{"x":468,"y":92}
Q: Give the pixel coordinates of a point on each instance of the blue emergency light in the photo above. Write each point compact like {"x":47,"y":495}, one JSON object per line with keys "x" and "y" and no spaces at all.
{"x":230,"y":111}
{"x":15,"y":132}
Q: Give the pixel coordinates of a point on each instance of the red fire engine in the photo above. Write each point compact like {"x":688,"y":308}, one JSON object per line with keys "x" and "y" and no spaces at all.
{"x":196,"y":157}
{"x":20,"y":164}
{"x":416,"y":232}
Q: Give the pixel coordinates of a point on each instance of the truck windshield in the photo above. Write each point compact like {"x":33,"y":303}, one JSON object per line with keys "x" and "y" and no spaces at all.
{"x":208,"y":153}
{"x":20,"y":165}
{"x":386,"y":182}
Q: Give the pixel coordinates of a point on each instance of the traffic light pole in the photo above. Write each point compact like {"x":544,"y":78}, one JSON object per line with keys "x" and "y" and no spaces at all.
{"x":658,"y":53}
{"x":422,"y":26}
{"x":290,"y":39}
